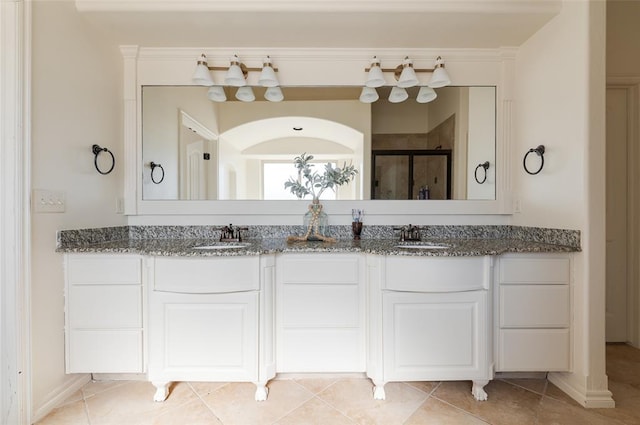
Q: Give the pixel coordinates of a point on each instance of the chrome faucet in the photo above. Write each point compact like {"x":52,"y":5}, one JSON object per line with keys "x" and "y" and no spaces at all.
{"x":232,"y":234}
{"x":409,"y":233}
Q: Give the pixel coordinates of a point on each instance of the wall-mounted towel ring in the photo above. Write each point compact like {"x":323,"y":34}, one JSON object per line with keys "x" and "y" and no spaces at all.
{"x":485,"y":167}
{"x":153,"y":168}
{"x":540,"y":152}
{"x":96,"y":151}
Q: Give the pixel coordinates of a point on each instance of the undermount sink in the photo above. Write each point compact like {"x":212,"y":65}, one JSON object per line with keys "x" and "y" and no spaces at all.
{"x":426,"y":245}
{"x":223,"y":245}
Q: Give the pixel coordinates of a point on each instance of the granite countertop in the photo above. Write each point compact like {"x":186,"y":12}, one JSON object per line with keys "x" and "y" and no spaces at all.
{"x":187,"y":247}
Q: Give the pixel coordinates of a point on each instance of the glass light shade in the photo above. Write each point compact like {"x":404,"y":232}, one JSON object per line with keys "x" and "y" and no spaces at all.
{"x":398,"y":94}
{"x":274,"y":94}
{"x":426,"y":95}
{"x":375,"y":77}
{"x":245,"y":94}
{"x":408,"y":77}
{"x":439,"y":78}
{"x":202,"y":76}
{"x":268,"y":75}
{"x":368,"y":95}
{"x":235,"y":76}
{"x":216,"y":94}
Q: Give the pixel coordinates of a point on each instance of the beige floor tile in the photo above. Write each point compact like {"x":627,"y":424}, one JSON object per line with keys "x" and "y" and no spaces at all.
{"x":235,"y":403}
{"x":192,"y":413}
{"x":555,"y":412}
{"x":434,"y":411}
{"x":627,"y":398}
{"x":315,"y":412}
{"x":556,"y":393}
{"x":68,"y":414}
{"x":426,"y":386}
{"x":354,"y":398}
{"x":316,"y":385}
{"x":129,"y":403}
{"x":77,"y":396}
{"x":507,"y":404}
{"x":204,"y":388}
{"x":95,"y":387}
{"x":535,"y":385}
{"x":623,"y":364}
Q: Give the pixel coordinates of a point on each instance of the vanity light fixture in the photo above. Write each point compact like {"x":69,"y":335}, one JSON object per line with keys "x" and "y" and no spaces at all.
{"x":406,"y":75}
{"x":245,"y":94}
{"x":274,"y":94}
{"x":369,"y":95}
{"x":268,"y":75}
{"x":375,"y":77}
{"x":201,"y":76}
{"x":426,"y":95}
{"x":398,"y":94}
{"x":216,"y":94}
{"x":236,"y":76}
{"x":439,"y":78}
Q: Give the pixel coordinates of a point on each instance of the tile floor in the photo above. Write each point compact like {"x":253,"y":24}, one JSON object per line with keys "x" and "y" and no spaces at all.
{"x":349,"y":401}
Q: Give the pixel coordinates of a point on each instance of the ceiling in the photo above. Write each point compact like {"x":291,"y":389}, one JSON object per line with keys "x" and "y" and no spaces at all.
{"x":315,"y":23}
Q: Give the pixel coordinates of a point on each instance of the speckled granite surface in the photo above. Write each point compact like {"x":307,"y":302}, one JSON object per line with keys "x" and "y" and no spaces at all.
{"x":183,"y":240}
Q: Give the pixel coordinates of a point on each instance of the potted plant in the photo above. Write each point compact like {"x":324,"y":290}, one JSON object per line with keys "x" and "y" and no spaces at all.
{"x":311,"y":182}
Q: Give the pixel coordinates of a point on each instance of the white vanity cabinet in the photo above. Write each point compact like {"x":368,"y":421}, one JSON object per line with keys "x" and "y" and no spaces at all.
{"x":104,"y":313}
{"x":533,"y":313}
{"x":429,"y":320}
{"x":320,"y":320}
{"x":210,"y":319}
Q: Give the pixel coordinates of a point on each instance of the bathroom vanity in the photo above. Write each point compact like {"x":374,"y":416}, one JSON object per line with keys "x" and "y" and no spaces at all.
{"x":174,"y":312}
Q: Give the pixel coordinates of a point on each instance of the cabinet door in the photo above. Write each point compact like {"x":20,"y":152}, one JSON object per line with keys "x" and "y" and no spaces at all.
{"x":431,"y":336}
{"x":203,"y":337}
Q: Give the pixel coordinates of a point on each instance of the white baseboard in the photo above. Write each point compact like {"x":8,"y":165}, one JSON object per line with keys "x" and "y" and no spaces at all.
{"x":60,"y":394}
{"x":119,"y":377}
{"x":590,"y":399}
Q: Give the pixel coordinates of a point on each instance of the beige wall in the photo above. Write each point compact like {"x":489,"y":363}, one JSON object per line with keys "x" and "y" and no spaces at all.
{"x":76,"y":102}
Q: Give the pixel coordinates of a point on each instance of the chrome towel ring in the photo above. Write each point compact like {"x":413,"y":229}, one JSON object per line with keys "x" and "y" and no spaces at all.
{"x":153,"y":168}
{"x":540,"y":152}
{"x":485,"y":167}
{"x":96,"y":151}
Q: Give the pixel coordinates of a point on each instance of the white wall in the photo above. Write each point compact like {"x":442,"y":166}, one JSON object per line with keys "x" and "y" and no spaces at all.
{"x":480,"y":144}
{"x":76,"y":102}
{"x":559,"y":94}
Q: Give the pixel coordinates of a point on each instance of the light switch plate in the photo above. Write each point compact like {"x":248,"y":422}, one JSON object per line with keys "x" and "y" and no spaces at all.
{"x":48,"y":201}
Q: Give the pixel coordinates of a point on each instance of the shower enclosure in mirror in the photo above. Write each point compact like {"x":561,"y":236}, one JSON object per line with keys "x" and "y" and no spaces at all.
{"x":236,"y":150}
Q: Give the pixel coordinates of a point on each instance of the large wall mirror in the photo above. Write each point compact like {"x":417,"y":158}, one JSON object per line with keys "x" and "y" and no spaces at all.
{"x":244,"y":151}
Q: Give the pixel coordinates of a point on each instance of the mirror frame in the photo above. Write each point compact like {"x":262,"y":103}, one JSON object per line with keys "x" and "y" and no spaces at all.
{"x":174,"y":66}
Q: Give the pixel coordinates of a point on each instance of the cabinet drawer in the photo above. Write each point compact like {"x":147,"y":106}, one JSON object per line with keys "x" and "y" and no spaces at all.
{"x":420,"y":274}
{"x":105,"y":352}
{"x":104,"y":270}
{"x":534,"y":306}
{"x":103,"y":307}
{"x":207,"y":275}
{"x":533,"y":350}
{"x":532,"y":270}
{"x":327,"y":269}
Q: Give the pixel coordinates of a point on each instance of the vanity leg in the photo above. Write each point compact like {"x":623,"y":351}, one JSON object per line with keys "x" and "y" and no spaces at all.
{"x":261,"y":391}
{"x":478,"y":390}
{"x":162,"y":390}
{"x":378,"y":391}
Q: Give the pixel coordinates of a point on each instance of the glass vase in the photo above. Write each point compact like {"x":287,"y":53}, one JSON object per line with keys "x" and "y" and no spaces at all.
{"x":315,"y":222}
